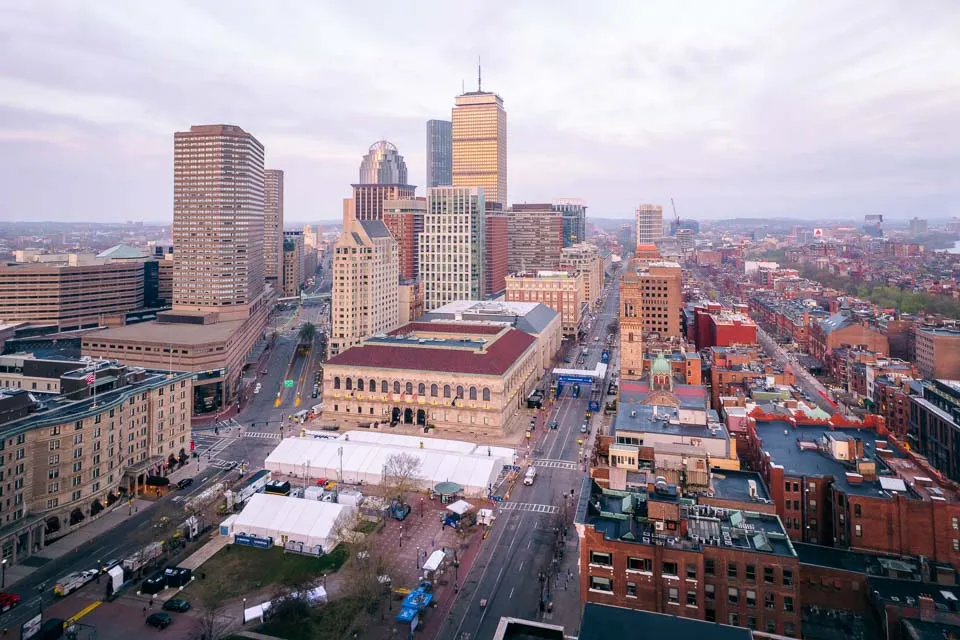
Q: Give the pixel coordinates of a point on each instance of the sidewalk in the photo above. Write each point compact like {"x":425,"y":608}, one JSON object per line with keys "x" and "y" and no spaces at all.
{"x":207,"y":551}
{"x":73,"y":541}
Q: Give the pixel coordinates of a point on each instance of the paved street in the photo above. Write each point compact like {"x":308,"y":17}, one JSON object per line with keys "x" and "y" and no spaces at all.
{"x":522,"y":542}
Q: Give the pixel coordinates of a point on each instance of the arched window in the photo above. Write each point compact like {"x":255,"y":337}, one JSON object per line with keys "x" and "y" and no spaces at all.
{"x":359,"y":384}
{"x":409,"y":388}
{"x":446,"y":391}
{"x":433,"y":391}
{"x":336,"y":382}
{"x":473,"y":393}
{"x":486,"y":394}
{"x":459,"y":391}
{"x":373,"y":385}
{"x":383,"y":386}
{"x":349,"y":384}
{"x":396,"y":386}
{"x":421,"y":389}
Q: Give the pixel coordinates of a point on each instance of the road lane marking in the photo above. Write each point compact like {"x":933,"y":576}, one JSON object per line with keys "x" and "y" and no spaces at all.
{"x":511,"y":594}
{"x":90,"y":607}
{"x":520,"y":568}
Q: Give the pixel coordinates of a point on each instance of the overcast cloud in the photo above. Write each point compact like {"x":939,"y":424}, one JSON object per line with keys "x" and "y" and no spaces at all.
{"x":813,"y":109}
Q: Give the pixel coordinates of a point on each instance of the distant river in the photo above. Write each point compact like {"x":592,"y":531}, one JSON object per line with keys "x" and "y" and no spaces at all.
{"x":956,"y":247}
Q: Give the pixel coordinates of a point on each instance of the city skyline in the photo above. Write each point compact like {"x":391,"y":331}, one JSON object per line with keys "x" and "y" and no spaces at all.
{"x":768,"y":111}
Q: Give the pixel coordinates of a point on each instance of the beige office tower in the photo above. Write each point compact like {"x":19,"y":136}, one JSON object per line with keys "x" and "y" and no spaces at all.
{"x":218,"y":209}
{"x":480,"y":144}
{"x":273,"y":227}
{"x":649,"y":224}
{"x":453,"y":246}
{"x":366,"y":274}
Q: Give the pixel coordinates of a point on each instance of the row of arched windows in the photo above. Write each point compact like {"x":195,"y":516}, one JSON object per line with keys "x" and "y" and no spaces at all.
{"x":359,"y":384}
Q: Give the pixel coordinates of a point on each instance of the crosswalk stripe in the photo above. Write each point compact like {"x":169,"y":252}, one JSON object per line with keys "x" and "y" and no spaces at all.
{"x":549,"y":463}
{"x":260,"y":434}
{"x":527,"y":506}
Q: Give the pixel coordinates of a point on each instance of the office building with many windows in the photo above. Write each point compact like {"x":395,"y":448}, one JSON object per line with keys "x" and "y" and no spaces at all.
{"x":453,"y":246}
{"x":439,"y":153}
{"x":479,"y":133}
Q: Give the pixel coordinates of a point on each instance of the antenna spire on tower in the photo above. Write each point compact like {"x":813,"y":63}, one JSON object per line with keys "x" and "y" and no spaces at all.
{"x":479,"y":81}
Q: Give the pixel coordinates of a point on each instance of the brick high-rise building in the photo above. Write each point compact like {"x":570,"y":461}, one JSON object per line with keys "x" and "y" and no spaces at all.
{"x":293,"y":272}
{"x":365,"y":297}
{"x":404,"y":219}
{"x":453,"y":246}
{"x":650,"y":302}
{"x":585,"y":259}
{"x":496,"y":253}
{"x":273,"y":227}
{"x":649,"y":218}
{"x":535,"y":237}
{"x":479,"y":133}
{"x":439,"y":153}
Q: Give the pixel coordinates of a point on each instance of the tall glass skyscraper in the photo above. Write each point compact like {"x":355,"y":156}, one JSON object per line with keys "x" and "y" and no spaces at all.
{"x":479,"y":133}
{"x":439,"y":153}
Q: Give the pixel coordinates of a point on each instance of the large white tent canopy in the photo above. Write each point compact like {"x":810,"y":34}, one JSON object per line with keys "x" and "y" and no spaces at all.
{"x":291,"y":520}
{"x":362,"y":459}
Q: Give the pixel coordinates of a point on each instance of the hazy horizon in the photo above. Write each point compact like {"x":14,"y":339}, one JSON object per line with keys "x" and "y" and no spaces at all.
{"x":758,"y":110}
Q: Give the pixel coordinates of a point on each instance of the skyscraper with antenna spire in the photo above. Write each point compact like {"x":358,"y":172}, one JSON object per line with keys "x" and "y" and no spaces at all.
{"x":479,"y":133}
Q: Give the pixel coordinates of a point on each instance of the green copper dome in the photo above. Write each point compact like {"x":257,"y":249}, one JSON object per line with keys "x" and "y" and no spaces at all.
{"x":661,"y":367}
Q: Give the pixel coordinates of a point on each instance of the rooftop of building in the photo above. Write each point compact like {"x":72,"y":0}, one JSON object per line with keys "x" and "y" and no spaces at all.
{"x":642,"y":418}
{"x":869,"y":564}
{"x":908,"y":592}
{"x":689,"y":396}
{"x":531,"y":317}
{"x":742,"y":486}
{"x":122,"y":252}
{"x":116,"y":389}
{"x":471,"y":351}
{"x":518,"y":629}
{"x":167,"y":333}
{"x":805,"y":451}
{"x":605,"y":622}
{"x":543,"y":275}
{"x":925,"y":630}
{"x":940,"y":331}
{"x":625,"y":516}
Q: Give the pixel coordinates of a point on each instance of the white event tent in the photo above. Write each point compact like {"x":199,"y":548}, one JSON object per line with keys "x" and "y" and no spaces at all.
{"x":361,"y":457}
{"x":290,"y":520}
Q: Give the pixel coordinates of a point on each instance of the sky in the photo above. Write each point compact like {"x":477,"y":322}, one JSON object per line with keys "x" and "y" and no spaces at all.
{"x":748,"y":108}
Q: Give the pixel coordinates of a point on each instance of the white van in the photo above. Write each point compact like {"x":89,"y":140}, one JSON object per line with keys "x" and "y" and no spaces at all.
{"x":529,"y":476}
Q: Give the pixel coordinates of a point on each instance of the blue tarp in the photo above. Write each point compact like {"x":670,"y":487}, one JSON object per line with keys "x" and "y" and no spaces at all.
{"x":407,"y":615}
{"x":417,"y":600}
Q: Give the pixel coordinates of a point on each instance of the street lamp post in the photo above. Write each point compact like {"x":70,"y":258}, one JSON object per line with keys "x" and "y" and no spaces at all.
{"x":3,"y":573}
{"x":243,"y":614}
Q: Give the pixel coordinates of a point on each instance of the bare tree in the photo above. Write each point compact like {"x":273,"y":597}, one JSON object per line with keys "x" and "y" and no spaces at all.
{"x":211,"y":623}
{"x":401,"y":475}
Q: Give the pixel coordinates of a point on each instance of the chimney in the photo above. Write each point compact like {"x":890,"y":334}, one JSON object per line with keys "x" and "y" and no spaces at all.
{"x":928,"y":610}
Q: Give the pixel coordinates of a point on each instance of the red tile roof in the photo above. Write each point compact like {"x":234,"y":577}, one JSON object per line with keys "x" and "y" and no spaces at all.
{"x":446,"y":327}
{"x":499,"y":356}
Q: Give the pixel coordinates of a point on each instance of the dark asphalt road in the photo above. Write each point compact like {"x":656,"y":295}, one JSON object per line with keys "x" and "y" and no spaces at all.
{"x":521,"y":544}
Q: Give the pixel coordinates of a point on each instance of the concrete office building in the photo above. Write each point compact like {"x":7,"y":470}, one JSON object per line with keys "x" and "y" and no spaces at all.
{"x":220,"y":299}
{"x":453,"y":246}
{"x":479,"y":133}
{"x":649,"y":219}
{"x":404,"y":219}
{"x":535,"y":237}
{"x":560,"y":290}
{"x":70,"y":291}
{"x":72,"y":455}
{"x":273,"y":227}
{"x":292,"y":263}
{"x":439,"y":153}
{"x":383,"y":176}
{"x":585,"y":259}
{"x":365,"y":296}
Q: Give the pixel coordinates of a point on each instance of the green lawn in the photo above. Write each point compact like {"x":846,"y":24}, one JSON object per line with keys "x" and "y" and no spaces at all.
{"x":330,"y":621}
{"x":236,"y":570}
{"x":367,"y":526}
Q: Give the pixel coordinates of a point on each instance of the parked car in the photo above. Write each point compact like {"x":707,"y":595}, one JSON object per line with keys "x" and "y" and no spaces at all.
{"x":554,"y":424}
{"x":8,"y":601}
{"x":176,"y":604}
{"x":583,"y":428}
{"x":186,"y":482}
{"x":263,"y":372}
{"x":159,"y":620}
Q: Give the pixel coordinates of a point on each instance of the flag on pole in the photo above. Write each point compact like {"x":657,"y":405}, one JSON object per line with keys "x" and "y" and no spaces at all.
{"x":91,"y":378}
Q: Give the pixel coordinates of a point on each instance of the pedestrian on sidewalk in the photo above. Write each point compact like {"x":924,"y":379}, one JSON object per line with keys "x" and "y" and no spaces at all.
{"x":144,"y":611}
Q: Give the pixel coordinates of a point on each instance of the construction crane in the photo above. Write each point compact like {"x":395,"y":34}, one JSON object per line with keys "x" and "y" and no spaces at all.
{"x":676,"y":218}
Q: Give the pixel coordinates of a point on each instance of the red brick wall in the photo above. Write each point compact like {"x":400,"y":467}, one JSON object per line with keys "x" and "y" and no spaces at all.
{"x":724,"y":334}
{"x":830,"y":588}
{"x":653,"y":588}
